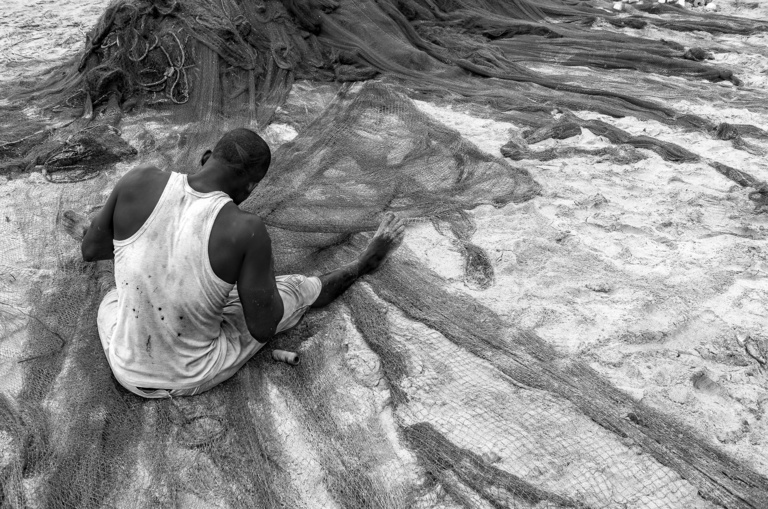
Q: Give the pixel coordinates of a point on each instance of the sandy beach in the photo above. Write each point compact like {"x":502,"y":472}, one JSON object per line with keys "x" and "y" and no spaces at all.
{"x":653,"y":272}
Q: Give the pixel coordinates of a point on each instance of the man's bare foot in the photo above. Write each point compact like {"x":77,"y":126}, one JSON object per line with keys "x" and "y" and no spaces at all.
{"x":75,"y":224}
{"x":388,"y":237}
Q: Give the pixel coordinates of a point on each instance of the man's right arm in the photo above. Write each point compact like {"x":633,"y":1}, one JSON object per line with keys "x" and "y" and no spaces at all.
{"x":256,"y":286}
{"x":97,"y":242}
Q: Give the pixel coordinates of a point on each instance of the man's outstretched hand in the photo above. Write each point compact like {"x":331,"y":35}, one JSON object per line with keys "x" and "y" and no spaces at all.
{"x":76,"y":225}
{"x":388,"y":237}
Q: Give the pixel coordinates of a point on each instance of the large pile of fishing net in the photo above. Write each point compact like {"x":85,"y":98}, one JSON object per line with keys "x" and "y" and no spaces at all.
{"x":409,"y":394}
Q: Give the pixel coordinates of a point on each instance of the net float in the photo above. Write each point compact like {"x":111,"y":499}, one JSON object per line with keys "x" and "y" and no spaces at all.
{"x":285,"y":356}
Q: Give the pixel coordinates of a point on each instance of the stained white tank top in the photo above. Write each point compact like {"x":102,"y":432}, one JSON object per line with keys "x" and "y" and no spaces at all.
{"x":168,"y":333}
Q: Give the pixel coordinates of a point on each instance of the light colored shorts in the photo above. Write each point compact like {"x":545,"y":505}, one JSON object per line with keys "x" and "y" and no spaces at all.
{"x":298,"y":293}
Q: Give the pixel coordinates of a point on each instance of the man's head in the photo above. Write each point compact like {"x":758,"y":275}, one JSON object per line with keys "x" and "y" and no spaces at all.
{"x":244,"y":153}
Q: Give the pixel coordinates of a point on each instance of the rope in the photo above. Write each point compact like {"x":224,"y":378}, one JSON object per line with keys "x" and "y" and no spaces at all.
{"x":175,"y":79}
{"x":86,"y":173}
{"x":149,"y":48}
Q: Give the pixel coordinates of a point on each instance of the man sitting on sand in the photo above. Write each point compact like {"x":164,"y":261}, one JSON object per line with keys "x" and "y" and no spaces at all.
{"x":196,"y":293}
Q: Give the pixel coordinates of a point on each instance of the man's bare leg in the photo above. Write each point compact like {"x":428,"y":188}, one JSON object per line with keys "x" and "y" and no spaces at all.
{"x":387,"y":238}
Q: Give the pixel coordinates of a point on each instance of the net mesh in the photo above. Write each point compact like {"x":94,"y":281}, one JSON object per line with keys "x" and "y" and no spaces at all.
{"x":409,"y":394}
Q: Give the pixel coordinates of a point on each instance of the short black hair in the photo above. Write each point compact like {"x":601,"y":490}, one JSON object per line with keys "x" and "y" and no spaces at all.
{"x":246,"y":150}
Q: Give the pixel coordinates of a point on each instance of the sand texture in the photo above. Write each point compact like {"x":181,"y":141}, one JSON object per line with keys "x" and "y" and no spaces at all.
{"x":655,"y":273}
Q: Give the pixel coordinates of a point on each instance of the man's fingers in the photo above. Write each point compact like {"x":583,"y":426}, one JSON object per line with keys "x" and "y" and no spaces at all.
{"x":388,"y":223}
{"x":382,"y":227}
{"x":395,"y":234}
{"x":70,"y":216}
{"x":392,"y":227}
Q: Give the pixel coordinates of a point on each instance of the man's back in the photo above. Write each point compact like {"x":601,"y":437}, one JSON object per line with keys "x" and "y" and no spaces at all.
{"x":138,"y":194}
{"x":170,"y":299}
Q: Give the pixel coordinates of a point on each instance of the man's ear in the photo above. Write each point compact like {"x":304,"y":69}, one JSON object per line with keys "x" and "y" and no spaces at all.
{"x":205,"y":157}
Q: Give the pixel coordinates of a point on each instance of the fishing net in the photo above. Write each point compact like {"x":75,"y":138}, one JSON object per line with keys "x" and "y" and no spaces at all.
{"x":410,"y":393}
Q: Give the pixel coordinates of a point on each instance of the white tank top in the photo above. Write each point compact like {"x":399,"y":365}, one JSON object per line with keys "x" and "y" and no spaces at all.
{"x":168,"y":333}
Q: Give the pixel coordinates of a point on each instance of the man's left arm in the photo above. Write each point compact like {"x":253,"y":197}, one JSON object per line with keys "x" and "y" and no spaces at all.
{"x":97,"y":242}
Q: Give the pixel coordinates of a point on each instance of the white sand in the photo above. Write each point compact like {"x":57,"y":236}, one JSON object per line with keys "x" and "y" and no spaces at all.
{"x":647,"y":271}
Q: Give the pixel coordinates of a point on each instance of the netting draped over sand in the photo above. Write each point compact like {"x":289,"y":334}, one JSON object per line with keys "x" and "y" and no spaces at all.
{"x":409,"y":394}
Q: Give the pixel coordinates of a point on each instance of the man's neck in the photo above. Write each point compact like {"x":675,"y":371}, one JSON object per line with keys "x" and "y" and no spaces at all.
{"x":209,"y":179}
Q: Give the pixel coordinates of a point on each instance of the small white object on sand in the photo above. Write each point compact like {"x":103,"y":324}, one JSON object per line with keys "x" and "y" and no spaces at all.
{"x":712,"y":6}
{"x":618,"y":6}
{"x":285,"y":356}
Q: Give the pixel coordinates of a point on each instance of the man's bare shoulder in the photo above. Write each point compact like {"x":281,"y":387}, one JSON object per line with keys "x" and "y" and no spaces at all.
{"x":244,"y":226}
{"x":141,"y":180}
{"x":142,"y":175}
{"x":146,"y":168}
{"x":237,"y":237}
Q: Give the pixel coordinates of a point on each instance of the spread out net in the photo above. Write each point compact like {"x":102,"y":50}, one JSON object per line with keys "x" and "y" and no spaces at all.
{"x":409,"y":394}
